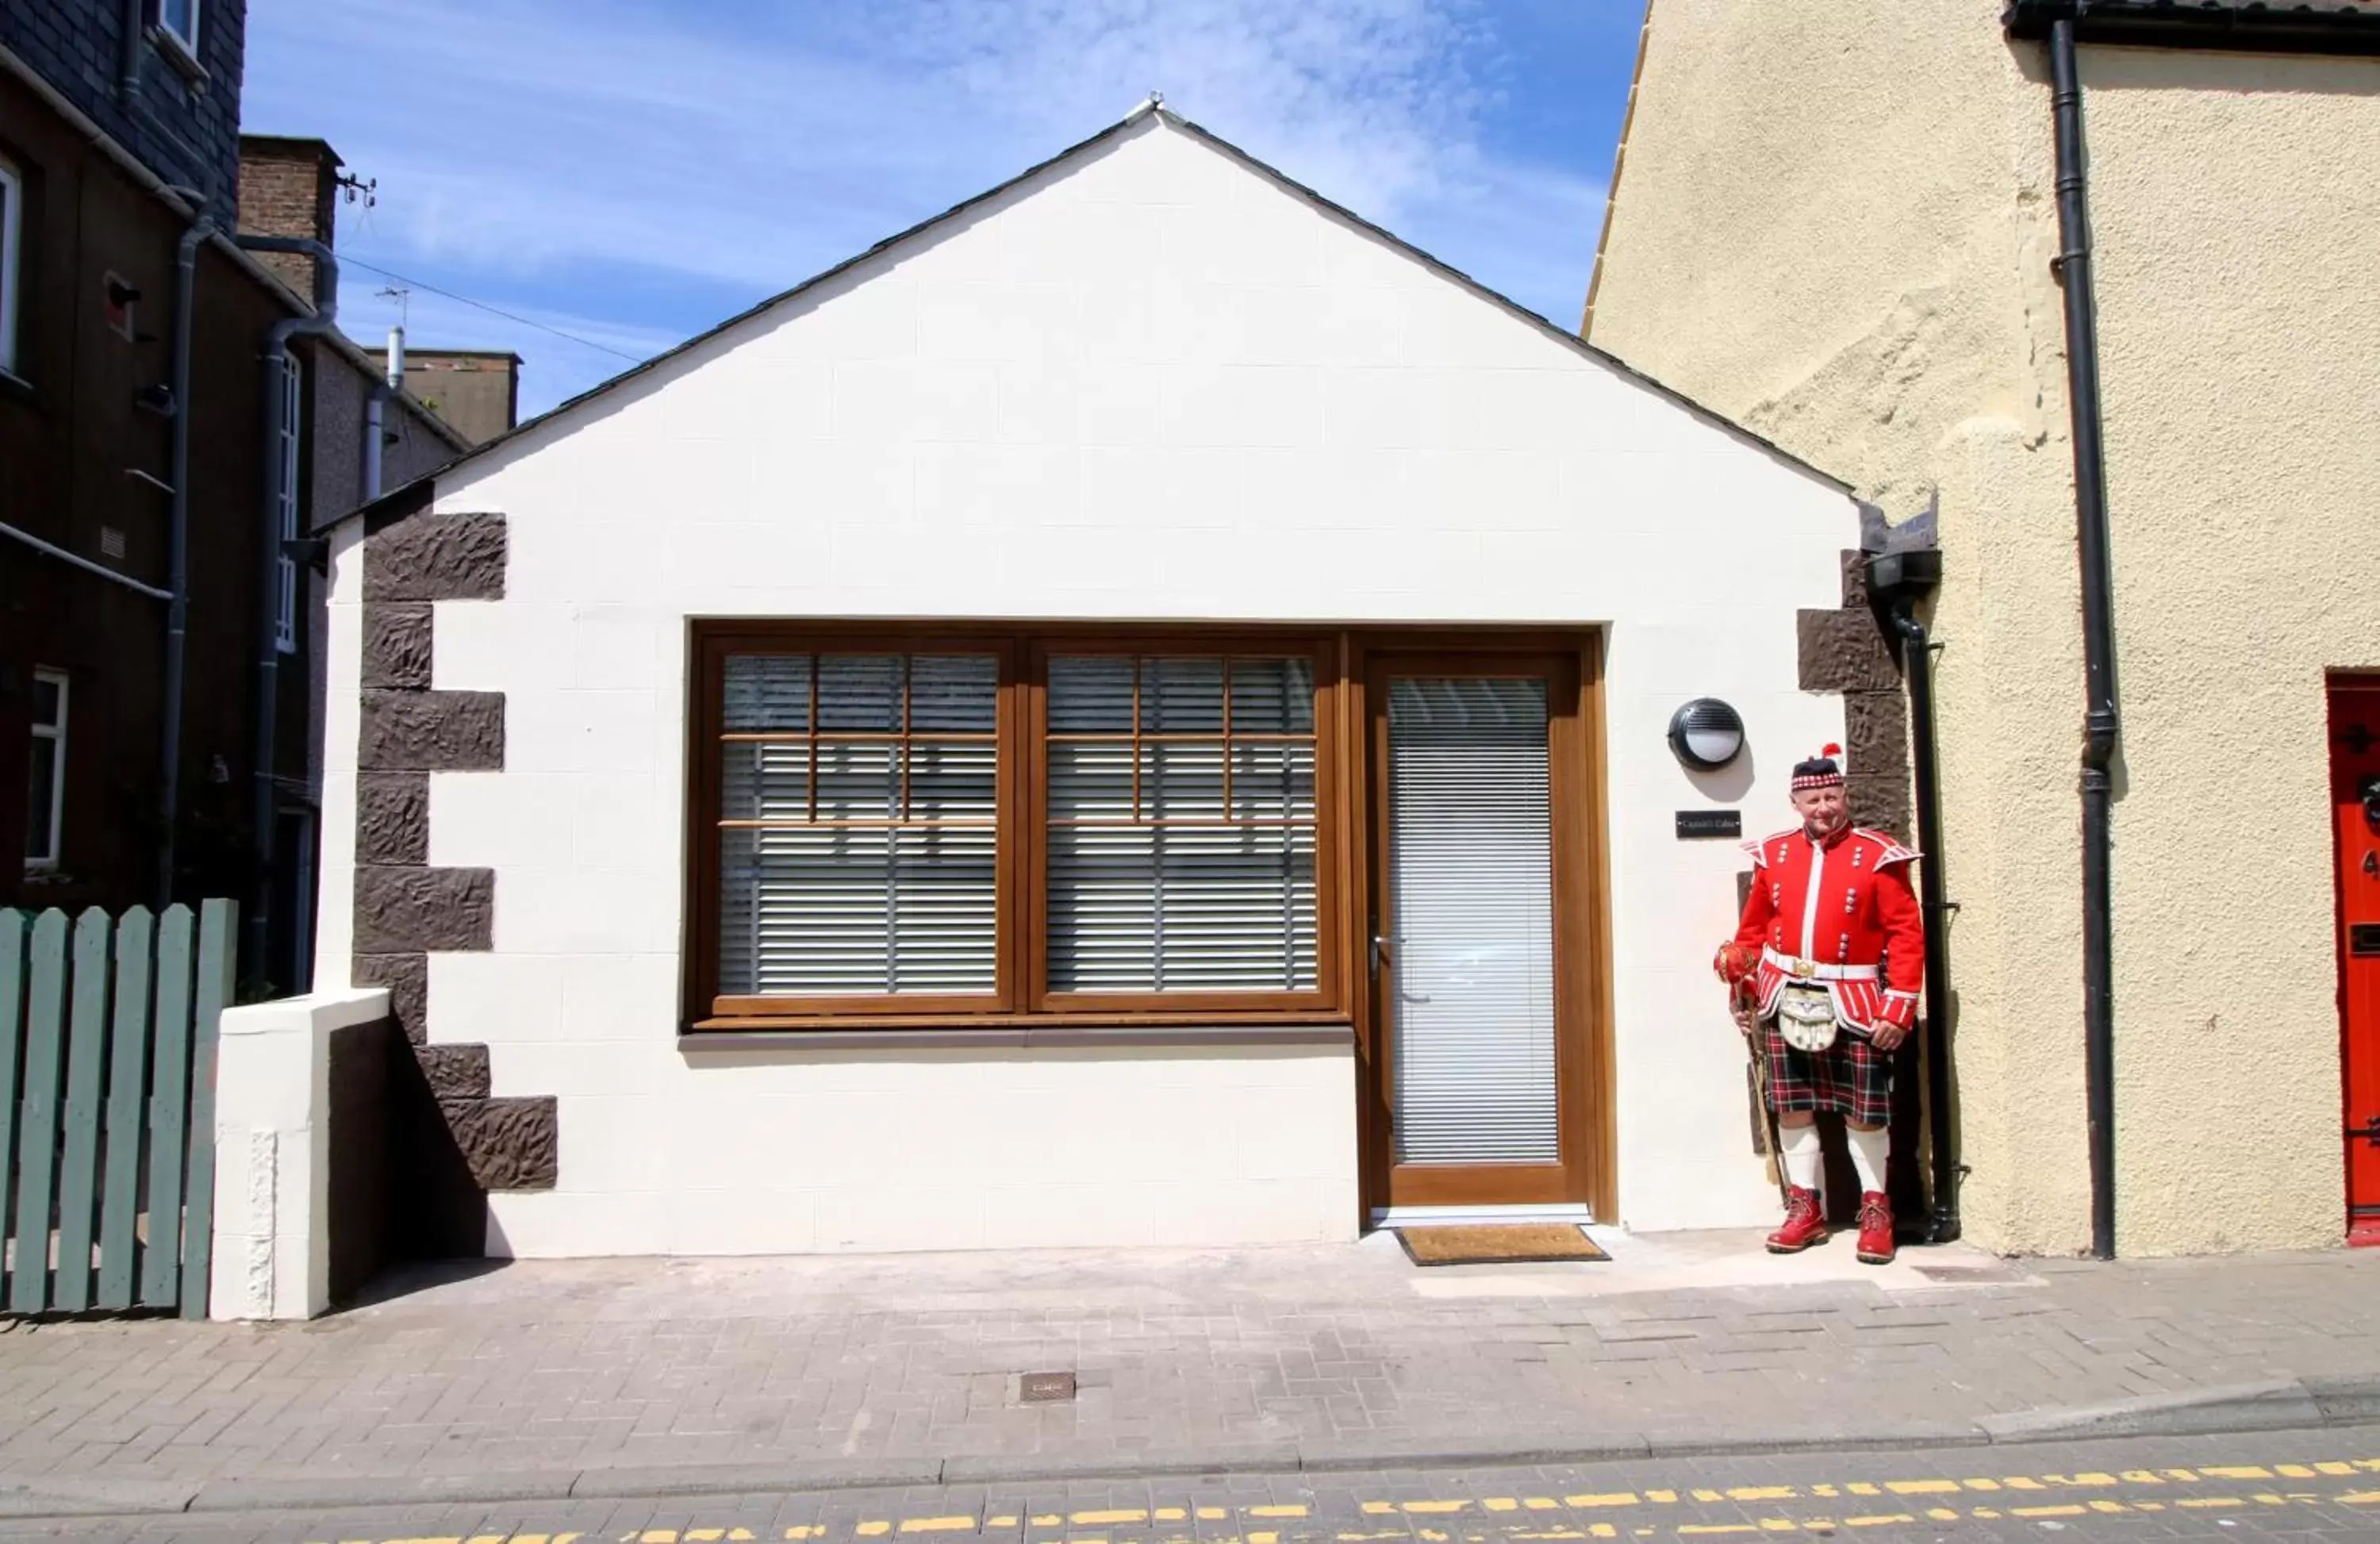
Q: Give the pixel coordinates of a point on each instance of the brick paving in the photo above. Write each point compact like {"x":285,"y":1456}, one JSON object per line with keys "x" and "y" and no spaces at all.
{"x":1340,"y":1353}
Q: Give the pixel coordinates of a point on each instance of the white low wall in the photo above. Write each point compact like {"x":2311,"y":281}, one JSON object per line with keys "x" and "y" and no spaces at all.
{"x":273,"y":1171}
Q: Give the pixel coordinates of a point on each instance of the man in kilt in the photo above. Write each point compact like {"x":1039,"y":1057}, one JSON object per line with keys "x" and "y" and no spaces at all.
{"x":1825,"y":968}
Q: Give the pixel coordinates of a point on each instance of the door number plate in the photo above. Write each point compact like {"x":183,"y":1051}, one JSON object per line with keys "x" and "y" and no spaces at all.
{"x":2363,"y":939}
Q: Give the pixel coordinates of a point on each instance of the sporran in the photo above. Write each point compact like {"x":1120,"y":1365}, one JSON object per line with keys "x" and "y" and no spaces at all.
{"x":1805,"y":1017}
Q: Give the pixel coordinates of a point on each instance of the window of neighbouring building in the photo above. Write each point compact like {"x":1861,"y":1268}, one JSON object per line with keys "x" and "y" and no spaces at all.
{"x":46,"y":788}
{"x":179,"y":21}
{"x":12,"y":226}
{"x":284,"y":567}
{"x":1010,"y":824}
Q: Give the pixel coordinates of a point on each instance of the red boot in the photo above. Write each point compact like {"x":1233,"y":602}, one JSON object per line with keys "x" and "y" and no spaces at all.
{"x":1875,"y":1243}
{"x":1805,"y":1223}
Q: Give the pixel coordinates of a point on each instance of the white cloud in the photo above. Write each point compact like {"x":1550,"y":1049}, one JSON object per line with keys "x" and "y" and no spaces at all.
{"x":654,"y":168}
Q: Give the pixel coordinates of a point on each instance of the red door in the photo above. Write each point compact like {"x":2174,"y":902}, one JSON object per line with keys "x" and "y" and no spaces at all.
{"x":2355,"y":800}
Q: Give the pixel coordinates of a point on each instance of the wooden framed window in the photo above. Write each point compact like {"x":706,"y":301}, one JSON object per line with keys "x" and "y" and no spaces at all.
{"x":1181,"y":833}
{"x":918,"y":827}
{"x":856,"y":837}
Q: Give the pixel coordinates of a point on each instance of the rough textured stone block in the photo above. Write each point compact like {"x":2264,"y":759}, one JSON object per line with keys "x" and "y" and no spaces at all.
{"x":393,"y":819}
{"x":1844,"y":650}
{"x":406,"y":977}
{"x":437,"y":557}
{"x":1856,"y":581}
{"x":510,"y":1142}
{"x":454,"y":1071}
{"x":1876,"y":725}
{"x":401,"y":911}
{"x":432,"y":731}
{"x":397,"y":646}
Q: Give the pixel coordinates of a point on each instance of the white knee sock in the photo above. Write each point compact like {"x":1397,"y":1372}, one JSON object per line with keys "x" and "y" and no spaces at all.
{"x":1799,"y":1146}
{"x":1868,"y":1152}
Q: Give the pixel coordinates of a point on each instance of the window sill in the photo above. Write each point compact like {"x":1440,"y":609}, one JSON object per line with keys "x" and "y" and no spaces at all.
{"x":1046,"y":1033}
{"x":13,"y":384}
{"x":179,"y":54}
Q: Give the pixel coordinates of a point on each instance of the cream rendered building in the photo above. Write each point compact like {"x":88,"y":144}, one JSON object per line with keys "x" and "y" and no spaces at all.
{"x":1836,"y":222}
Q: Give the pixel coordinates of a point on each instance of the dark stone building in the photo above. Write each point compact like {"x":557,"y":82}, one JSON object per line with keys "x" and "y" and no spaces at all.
{"x":119,"y":130}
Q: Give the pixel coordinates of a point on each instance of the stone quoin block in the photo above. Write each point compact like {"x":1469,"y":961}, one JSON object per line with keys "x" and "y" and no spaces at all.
{"x":1845,"y":651}
{"x":1875,"y":737}
{"x":397,"y":646}
{"x":511,"y":1144}
{"x":401,"y":911}
{"x":406,"y":977}
{"x":1855,"y":594}
{"x":393,"y":819}
{"x":437,"y":557}
{"x":432,"y":731}
{"x":454,"y":1072}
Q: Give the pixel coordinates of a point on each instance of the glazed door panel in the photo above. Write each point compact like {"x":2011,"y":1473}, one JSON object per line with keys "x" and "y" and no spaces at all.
{"x":1478,"y":1017}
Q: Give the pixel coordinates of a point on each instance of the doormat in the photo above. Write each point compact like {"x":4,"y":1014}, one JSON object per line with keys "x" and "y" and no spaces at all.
{"x":1499,"y":1244}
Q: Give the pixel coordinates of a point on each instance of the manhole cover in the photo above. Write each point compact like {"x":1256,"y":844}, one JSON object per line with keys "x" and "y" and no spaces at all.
{"x":1044,"y":1388}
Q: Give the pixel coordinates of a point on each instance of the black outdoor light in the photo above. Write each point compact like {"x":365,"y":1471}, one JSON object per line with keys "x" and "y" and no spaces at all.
{"x":1706,"y":734}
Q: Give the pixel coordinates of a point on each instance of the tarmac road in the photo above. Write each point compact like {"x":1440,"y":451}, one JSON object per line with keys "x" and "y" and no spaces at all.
{"x":2291,"y":1484}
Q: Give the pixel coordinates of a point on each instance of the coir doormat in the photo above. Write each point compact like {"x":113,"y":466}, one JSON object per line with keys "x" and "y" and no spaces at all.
{"x":1499,"y":1244}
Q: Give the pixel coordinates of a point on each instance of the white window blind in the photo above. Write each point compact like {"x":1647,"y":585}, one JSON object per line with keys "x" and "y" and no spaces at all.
{"x":858,"y":836}
{"x":1182,"y":825}
{"x":1471,"y":854}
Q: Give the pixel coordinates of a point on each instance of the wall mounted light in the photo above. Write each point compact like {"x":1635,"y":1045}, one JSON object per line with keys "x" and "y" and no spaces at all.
{"x":1706,"y":734}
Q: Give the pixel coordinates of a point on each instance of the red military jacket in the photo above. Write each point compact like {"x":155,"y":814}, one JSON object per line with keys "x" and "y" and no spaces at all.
{"x":1843,"y":918}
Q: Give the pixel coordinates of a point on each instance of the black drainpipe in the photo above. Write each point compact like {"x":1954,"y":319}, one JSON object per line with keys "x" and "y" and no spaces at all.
{"x":1917,"y":652}
{"x":132,"y":55}
{"x":1902,"y":579}
{"x":178,"y":555}
{"x":277,"y":364}
{"x":2100,"y":726}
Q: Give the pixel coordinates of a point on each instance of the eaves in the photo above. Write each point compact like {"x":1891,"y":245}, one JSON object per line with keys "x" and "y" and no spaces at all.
{"x":2224,"y":25}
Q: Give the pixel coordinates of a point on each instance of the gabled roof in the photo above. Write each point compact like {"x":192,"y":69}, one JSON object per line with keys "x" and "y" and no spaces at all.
{"x":417,"y":493}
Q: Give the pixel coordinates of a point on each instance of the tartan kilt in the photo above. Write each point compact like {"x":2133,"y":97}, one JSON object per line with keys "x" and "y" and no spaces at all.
{"x":1850,"y":1078}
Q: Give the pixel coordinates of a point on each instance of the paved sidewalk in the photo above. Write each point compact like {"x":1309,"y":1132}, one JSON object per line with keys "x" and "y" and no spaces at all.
{"x":647,"y":1373}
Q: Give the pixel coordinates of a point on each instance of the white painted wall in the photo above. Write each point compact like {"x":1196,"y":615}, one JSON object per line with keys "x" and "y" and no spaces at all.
{"x":1151,"y":384}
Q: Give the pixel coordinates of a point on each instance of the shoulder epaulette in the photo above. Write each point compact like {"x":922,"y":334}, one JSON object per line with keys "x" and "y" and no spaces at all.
{"x":1893,"y":851}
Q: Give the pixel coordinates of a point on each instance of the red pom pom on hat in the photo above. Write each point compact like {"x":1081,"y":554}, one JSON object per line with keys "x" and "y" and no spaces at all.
{"x":1830,"y":750}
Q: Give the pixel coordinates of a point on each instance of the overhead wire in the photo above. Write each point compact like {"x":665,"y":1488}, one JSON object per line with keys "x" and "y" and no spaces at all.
{"x":492,"y":310}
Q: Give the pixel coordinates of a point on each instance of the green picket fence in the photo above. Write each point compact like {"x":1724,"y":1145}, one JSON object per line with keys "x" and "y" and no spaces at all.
{"x":107,"y":1082}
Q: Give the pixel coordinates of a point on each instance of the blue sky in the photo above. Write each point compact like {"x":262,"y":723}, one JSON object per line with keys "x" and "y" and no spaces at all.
{"x":631,"y":172}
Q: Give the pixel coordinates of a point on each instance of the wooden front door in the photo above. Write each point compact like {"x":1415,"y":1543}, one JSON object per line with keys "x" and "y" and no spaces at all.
{"x":1480,"y":979}
{"x":2355,"y":807}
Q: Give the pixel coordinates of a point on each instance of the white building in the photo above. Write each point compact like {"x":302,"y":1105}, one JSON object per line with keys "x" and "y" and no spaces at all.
{"x":926,"y":764}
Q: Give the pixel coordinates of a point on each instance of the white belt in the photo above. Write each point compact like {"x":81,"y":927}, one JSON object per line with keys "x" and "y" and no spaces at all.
{"x":1811,"y":970}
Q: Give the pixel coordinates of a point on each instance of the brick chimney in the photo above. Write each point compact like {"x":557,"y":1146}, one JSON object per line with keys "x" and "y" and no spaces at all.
{"x":475,"y":391}
{"x":289,"y":188}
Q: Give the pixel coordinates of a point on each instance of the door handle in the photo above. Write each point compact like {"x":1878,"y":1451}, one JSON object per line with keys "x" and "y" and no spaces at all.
{"x":1384,"y":958}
